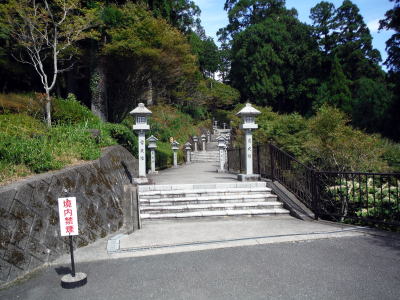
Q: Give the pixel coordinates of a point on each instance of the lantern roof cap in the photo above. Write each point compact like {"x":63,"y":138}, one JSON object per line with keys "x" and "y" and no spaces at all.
{"x":188,"y":144}
{"x":152,"y":139}
{"x":220,"y":139}
{"x":248,"y":110}
{"x":141,"y":110}
{"x":175,"y":143}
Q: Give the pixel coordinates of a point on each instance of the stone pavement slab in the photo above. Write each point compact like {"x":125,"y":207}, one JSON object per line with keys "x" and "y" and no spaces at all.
{"x":202,"y":172}
{"x":161,"y":237}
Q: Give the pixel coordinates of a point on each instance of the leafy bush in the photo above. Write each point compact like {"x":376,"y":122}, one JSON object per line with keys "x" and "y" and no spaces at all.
{"x":334,"y":145}
{"x":71,"y":111}
{"x":123,"y":136}
{"x":21,"y":125}
{"x":32,"y":152}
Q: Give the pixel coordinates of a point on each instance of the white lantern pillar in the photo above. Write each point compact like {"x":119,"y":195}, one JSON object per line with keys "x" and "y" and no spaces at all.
{"x":175,"y":148}
{"x":208,"y":136}
{"x":248,"y":114}
{"x":141,"y":114}
{"x":221,"y":147}
{"x":188,"y":148}
{"x":203,"y":140}
{"x":195,"y":140}
{"x":152,"y":145}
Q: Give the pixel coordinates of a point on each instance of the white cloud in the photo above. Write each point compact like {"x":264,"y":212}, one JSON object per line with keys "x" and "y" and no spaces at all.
{"x":373,"y":25}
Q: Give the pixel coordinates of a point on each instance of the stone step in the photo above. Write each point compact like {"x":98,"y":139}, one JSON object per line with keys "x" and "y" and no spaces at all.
{"x":210,"y":207}
{"x":201,"y":192}
{"x":204,"y":160}
{"x":217,"y":213}
{"x":202,"y":186}
{"x":235,"y":198}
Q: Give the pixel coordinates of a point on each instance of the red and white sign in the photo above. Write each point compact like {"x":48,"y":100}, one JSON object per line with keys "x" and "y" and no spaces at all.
{"x":68,"y":216}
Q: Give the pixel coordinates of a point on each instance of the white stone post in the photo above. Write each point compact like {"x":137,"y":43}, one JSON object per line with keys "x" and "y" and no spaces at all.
{"x":224,"y":125}
{"x":188,"y":148}
{"x":203,"y":140}
{"x":221,"y":148}
{"x":226,"y":149}
{"x":195,"y":140}
{"x":141,"y":113}
{"x":142,"y":154}
{"x":175,"y":148}
{"x":208,"y":136}
{"x":249,"y":152}
{"x":152,"y":146}
{"x":248,"y":114}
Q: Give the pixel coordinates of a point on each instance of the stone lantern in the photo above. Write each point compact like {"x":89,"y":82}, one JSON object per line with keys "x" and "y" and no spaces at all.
{"x":221,"y":147}
{"x":208,"y":136}
{"x":248,"y":115}
{"x":227,"y":142}
{"x":188,"y":148}
{"x":195,"y":140}
{"x":203,"y":140}
{"x":152,"y":145}
{"x":224,"y":125}
{"x":141,"y":114}
{"x":175,"y":148}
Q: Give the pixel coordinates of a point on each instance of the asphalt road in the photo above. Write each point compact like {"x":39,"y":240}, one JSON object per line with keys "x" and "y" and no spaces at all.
{"x":364,"y":267}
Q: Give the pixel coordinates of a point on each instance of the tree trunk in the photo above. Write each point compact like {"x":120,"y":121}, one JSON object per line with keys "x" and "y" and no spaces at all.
{"x":47,"y":108}
{"x":149,"y":93}
{"x":98,"y":87}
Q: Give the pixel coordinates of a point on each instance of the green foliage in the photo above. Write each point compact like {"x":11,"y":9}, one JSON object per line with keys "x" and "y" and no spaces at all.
{"x":167,"y":121}
{"x":207,"y":52}
{"x":218,"y":95}
{"x":124,"y":136}
{"x":30,"y":152}
{"x":71,"y":111}
{"x":336,"y":90}
{"x":333,"y":145}
{"x":274,"y":61}
{"x":392,"y":155}
{"x":392,"y":21}
{"x":27,"y":146}
{"x":373,"y":197}
{"x":325,"y":141}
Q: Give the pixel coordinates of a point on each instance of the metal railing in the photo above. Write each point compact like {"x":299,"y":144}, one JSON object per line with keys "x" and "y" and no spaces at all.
{"x":365,"y":198}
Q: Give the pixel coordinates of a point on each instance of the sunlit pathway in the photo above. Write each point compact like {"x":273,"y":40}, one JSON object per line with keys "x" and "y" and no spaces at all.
{"x":201,"y":172}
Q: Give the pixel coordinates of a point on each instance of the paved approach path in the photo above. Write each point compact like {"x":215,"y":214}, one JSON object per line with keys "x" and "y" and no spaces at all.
{"x":202,"y":172}
{"x":364,"y":267}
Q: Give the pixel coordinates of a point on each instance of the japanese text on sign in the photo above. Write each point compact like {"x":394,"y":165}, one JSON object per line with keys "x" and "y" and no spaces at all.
{"x":68,"y":216}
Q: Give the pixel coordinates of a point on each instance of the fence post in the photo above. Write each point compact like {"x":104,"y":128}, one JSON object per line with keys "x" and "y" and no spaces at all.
{"x":258,"y":160}
{"x":271,"y":161}
{"x":227,"y":158}
{"x":315,"y":193}
{"x":240,"y":160}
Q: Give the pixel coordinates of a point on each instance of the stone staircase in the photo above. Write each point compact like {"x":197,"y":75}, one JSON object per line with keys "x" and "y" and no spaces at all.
{"x":203,"y":156}
{"x":208,"y":200}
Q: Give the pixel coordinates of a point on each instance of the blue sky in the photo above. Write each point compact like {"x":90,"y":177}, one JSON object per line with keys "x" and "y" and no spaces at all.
{"x":214,"y":17}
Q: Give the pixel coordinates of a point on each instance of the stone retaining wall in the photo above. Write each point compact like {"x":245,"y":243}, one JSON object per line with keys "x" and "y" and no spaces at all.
{"x":29,"y":228}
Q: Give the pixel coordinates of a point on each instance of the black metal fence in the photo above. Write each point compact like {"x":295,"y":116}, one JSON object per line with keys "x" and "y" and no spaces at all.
{"x":367,"y":198}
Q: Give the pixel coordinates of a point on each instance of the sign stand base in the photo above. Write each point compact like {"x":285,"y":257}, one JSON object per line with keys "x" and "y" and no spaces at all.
{"x":69,"y":282}
{"x":73,"y":280}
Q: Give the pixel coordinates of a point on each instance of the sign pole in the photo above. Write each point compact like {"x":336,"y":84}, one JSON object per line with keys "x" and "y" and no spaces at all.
{"x":71,"y":250}
{"x":68,"y":213}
